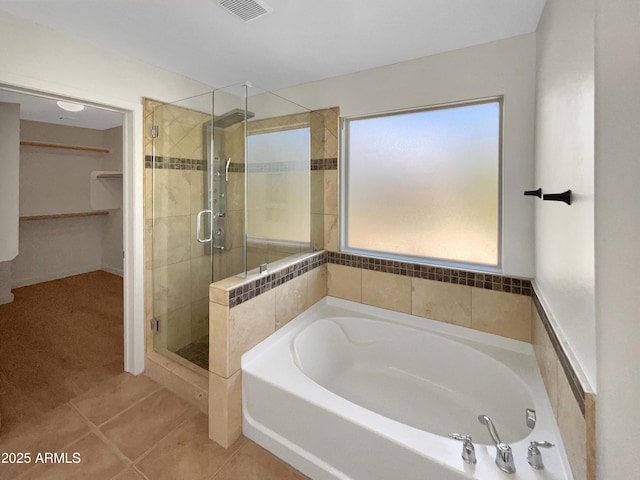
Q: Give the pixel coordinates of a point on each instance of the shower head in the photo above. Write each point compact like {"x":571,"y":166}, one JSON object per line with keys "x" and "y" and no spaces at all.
{"x":231,"y":118}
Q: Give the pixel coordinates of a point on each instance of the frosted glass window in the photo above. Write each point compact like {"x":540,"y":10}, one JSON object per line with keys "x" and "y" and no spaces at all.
{"x":425,"y":184}
{"x":278,"y":185}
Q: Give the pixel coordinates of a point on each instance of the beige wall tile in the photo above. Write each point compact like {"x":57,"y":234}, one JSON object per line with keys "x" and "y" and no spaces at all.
{"x":317,"y":284}
{"x":219,"y":291}
{"x":386,"y":290}
{"x":249,"y":323}
{"x":197,"y":187}
{"x":199,"y":318}
{"x":546,"y":358}
{"x":178,"y":326}
{"x":172,"y":193}
{"x":235,"y":190}
{"x":344,"y":282}
{"x":572,"y":427}
{"x":219,"y":339}
{"x":171,"y":240}
{"x":331,"y":233}
{"x":504,"y":314}
{"x":197,"y":248}
{"x":317,"y":231}
{"x":225,"y":409}
{"x":292,"y":298}
{"x":441,"y":301}
{"x":171,"y":287}
{"x":148,"y":193}
{"x":331,"y":192}
{"x":148,"y":244}
{"x":317,"y":191}
{"x":590,"y":419}
{"x":200,"y":277}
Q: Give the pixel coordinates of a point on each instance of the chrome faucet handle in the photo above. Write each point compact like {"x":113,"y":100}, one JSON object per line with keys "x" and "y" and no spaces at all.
{"x":468,"y":450}
{"x":534,"y":457}
{"x":504,"y":455}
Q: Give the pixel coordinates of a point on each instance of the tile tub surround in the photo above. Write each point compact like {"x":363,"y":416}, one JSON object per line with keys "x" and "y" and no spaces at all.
{"x":243,"y":312}
{"x":572,"y":398}
{"x":487,"y":302}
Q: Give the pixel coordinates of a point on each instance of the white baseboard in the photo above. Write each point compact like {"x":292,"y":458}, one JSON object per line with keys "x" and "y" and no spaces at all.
{"x":116,"y":271}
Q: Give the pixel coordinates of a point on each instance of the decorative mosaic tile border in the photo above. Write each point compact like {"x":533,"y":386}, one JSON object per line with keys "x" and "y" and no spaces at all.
{"x":174,"y":163}
{"x":324,"y":164}
{"x":439,"y":274}
{"x":263,"y":284}
{"x":572,"y":377}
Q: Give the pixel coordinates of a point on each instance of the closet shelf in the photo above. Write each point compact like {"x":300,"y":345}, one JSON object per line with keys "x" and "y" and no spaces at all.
{"x":54,"y":216}
{"x":65,"y":147}
{"x":105,"y":174}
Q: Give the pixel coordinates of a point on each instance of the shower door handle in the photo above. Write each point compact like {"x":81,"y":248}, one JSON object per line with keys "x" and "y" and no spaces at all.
{"x":199,"y":227}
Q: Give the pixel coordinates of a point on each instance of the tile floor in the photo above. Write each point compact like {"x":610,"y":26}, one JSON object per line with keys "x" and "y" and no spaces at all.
{"x":130,"y":428}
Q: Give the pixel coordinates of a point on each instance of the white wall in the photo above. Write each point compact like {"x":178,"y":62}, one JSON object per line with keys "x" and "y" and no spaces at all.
{"x":10,"y":168}
{"x":505,"y":67}
{"x":564,"y":160}
{"x":617,"y":236}
{"x":112,"y":231}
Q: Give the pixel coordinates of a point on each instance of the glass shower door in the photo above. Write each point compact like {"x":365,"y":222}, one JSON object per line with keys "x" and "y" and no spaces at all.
{"x":186,"y":178}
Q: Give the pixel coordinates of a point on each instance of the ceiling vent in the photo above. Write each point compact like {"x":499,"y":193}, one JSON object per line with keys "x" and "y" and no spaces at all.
{"x":246,"y":10}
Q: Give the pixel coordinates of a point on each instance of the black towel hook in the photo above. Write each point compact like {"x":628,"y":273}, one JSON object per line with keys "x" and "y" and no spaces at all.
{"x":534,"y":193}
{"x":559,"y":197}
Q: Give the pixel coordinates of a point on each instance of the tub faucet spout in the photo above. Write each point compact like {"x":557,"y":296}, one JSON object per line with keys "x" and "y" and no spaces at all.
{"x":504,"y":456}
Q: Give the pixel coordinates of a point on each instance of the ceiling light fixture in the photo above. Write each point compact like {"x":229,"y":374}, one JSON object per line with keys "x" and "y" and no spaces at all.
{"x":70,"y":107}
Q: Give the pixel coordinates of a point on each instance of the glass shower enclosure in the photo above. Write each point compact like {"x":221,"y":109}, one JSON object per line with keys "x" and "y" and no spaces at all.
{"x":230,"y":195}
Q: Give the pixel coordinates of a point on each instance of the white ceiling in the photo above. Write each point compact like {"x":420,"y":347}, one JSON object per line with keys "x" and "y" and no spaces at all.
{"x":42,"y":109}
{"x":300,"y":41}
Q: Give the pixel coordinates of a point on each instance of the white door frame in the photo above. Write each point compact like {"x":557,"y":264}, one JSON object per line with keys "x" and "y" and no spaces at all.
{"x":132,"y":206}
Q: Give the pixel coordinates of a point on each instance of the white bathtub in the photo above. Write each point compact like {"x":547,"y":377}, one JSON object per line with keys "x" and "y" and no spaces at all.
{"x":349,"y":391}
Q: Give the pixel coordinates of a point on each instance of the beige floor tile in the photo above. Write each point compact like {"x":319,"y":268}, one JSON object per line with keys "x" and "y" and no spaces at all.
{"x":138,"y":429}
{"x":113,"y":396}
{"x":255,"y":463}
{"x":90,"y":377}
{"x":96,"y":461}
{"x":48,"y":433}
{"x":186,"y":453}
{"x":128,"y":474}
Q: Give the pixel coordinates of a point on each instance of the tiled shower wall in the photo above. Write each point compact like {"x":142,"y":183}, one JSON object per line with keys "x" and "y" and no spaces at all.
{"x":176,"y":267}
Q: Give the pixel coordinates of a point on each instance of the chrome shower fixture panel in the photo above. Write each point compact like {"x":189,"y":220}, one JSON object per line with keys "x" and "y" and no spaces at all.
{"x":246,"y":10}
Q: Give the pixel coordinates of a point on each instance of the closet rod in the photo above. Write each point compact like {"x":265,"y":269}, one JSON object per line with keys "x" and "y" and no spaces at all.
{"x":65,"y":147}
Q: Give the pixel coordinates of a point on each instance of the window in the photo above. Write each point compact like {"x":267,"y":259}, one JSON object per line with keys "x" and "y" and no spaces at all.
{"x":278,"y":186}
{"x":425,"y":184}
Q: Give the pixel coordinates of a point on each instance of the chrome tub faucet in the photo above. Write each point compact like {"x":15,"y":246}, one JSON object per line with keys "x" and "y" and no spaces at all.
{"x":504,"y":456}
{"x":468,"y":450}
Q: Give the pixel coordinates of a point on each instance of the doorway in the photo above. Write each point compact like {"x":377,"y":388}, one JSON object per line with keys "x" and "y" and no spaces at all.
{"x":64,"y":331}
